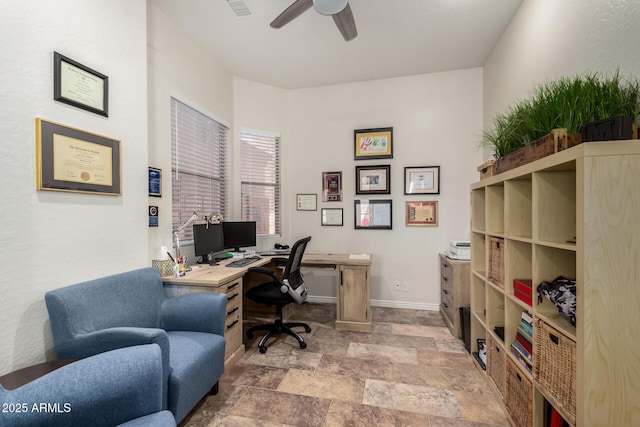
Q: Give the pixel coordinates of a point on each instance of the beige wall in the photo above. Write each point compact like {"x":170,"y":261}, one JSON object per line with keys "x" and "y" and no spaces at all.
{"x":51,"y":239}
{"x":178,"y":67}
{"x":549,"y":38}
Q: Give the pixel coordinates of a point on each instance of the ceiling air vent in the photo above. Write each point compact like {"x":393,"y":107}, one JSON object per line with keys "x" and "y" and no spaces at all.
{"x":240,"y":8}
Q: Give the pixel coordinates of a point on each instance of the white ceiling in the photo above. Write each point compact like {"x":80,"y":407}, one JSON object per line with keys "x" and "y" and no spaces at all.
{"x":395,"y":38}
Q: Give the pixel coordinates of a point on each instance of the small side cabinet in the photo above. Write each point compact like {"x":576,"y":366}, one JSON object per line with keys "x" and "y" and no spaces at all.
{"x":455,"y":276}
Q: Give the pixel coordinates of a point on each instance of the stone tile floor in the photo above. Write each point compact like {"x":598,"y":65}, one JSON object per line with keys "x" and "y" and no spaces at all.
{"x":409,"y":371}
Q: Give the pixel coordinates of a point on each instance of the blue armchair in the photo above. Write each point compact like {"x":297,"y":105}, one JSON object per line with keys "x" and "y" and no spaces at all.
{"x":132,"y":308}
{"x":120,"y":387}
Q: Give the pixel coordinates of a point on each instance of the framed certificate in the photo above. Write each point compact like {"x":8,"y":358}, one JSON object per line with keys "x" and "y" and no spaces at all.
{"x":307,"y":202}
{"x":422,"y":213}
{"x":373,"y":214}
{"x":78,"y":85}
{"x":331,"y":217}
{"x":422,"y":180}
{"x":69,"y":159}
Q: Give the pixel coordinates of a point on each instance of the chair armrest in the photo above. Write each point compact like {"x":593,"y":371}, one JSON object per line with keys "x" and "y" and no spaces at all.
{"x":91,"y":343}
{"x":265,"y":270}
{"x":199,"y":312}
{"x":103,"y":390}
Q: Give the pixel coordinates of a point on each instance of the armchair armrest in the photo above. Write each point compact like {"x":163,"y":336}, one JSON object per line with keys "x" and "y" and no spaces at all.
{"x":199,"y":312}
{"x":91,"y":343}
{"x":104,"y":390}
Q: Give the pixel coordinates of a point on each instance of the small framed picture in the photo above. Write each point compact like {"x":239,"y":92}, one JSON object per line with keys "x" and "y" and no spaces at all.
{"x":373,"y":179}
{"x":153,"y":216}
{"x":307,"y":202}
{"x":331,"y":217}
{"x":422,"y":213}
{"x":155,"y":182}
{"x":331,"y":186}
{"x":78,"y":85}
{"x":373,"y":214}
{"x":422,"y":180}
{"x":373,"y":143}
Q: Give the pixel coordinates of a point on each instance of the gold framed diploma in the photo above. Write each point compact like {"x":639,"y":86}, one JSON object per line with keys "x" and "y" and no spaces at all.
{"x":78,"y":85}
{"x":69,"y":159}
{"x":422,"y":213}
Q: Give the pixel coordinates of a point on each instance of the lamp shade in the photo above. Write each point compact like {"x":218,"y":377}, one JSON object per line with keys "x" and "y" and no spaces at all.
{"x":329,"y":7}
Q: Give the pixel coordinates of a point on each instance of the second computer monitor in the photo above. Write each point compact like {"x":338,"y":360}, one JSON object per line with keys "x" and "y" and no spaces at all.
{"x":239,"y":234}
{"x":207,"y":239}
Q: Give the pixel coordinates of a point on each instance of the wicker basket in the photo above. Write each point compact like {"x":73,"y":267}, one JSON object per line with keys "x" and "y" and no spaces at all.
{"x":519,"y":397}
{"x":554,"y":369}
{"x":487,"y":169}
{"x":496,"y":261}
{"x":495,"y":364}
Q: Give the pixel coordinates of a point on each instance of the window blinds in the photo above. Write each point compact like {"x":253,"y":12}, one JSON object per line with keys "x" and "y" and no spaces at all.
{"x":260,"y":180}
{"x":199,"y":146}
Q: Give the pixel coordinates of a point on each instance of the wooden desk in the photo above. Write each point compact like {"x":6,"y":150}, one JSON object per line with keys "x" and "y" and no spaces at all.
{"x":353,"y":281}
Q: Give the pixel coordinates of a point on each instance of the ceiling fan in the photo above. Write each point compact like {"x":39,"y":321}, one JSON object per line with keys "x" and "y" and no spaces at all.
{"x":338,"y":9}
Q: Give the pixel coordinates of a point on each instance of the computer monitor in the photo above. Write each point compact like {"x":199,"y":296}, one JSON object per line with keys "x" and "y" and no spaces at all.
{"x":239,"y":234}
{"x":207,"y":238}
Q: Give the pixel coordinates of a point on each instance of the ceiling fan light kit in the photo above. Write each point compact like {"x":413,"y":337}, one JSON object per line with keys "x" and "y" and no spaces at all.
{"x":329,"y":7}
{"x":339,"y":10}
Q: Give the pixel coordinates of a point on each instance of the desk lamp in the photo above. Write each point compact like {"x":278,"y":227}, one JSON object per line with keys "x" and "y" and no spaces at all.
{"x":210,"y":219}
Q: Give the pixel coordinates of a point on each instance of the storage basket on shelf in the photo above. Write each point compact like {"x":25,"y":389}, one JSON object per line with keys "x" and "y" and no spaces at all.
{"x":496,"y":261}
{"x":496,"y":364}
{"x":554,"y":367}
{"x":519,"y":396}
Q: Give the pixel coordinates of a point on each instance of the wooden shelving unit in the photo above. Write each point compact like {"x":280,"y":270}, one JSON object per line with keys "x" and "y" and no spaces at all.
{"x":590,"y":195}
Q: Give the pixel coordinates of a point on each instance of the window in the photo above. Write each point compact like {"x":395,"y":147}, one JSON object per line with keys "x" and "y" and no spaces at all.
{"x":198,"y":166}
{"x":260,"y":180}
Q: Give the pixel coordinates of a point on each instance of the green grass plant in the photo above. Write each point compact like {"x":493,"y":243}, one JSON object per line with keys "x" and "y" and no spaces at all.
{"x":568,"y":102}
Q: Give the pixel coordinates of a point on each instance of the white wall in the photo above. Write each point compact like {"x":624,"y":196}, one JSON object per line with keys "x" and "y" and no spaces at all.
{"x":178,"y":67}
{"x":549,"y":38}
{"x":51,"y":239}
{"x":437,"y":121}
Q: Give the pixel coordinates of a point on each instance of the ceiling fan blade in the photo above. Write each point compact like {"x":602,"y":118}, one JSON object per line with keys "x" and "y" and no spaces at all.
{"x":345,"y":23}
{"x":291,"y":13}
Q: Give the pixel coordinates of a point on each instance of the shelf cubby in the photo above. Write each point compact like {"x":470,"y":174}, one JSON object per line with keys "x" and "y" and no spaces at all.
{"x":494,"y":215}
{"x":518,"y":213}
{"x":478,"y":210}
{"x":554,"y":206}
{"x":478,"y":298}
{"x":495,"y":309}
{"x":478,"y":254}
{"x":518,"y":263}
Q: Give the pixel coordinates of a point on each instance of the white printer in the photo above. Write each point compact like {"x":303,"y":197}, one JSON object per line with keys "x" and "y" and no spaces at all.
{"x":459,"y":249}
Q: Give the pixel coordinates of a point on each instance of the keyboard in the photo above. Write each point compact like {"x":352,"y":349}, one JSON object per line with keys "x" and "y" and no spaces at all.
{"x":241,"y":262}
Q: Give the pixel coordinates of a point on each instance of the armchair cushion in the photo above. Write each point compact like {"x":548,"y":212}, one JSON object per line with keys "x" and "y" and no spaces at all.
{"x":132,"y":308}
{"x":104,"y":390}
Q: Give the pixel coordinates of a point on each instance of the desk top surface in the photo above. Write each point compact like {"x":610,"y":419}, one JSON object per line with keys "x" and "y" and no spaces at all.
{"x":219,"y":274}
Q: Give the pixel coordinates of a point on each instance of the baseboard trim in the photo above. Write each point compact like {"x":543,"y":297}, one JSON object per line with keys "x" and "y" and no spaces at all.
{"x":381,"y":303}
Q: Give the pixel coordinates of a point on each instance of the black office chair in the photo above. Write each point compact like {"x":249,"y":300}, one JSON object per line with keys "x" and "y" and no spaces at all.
{"x":281,"y":292}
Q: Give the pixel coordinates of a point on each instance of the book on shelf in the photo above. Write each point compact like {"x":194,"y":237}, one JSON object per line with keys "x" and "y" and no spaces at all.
{"x":527,"y":328}
{"x":524,"y":342}
{"x":523,"y":362}
{"x":527,"y":335}
{"x":527,"y":317}
{"x":522,"y":351}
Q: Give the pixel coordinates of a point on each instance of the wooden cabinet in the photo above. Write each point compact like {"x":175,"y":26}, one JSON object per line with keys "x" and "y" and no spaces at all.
{"x":354,"y":301}
{"x":454,"y":291}
{"x":572,"y":214}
